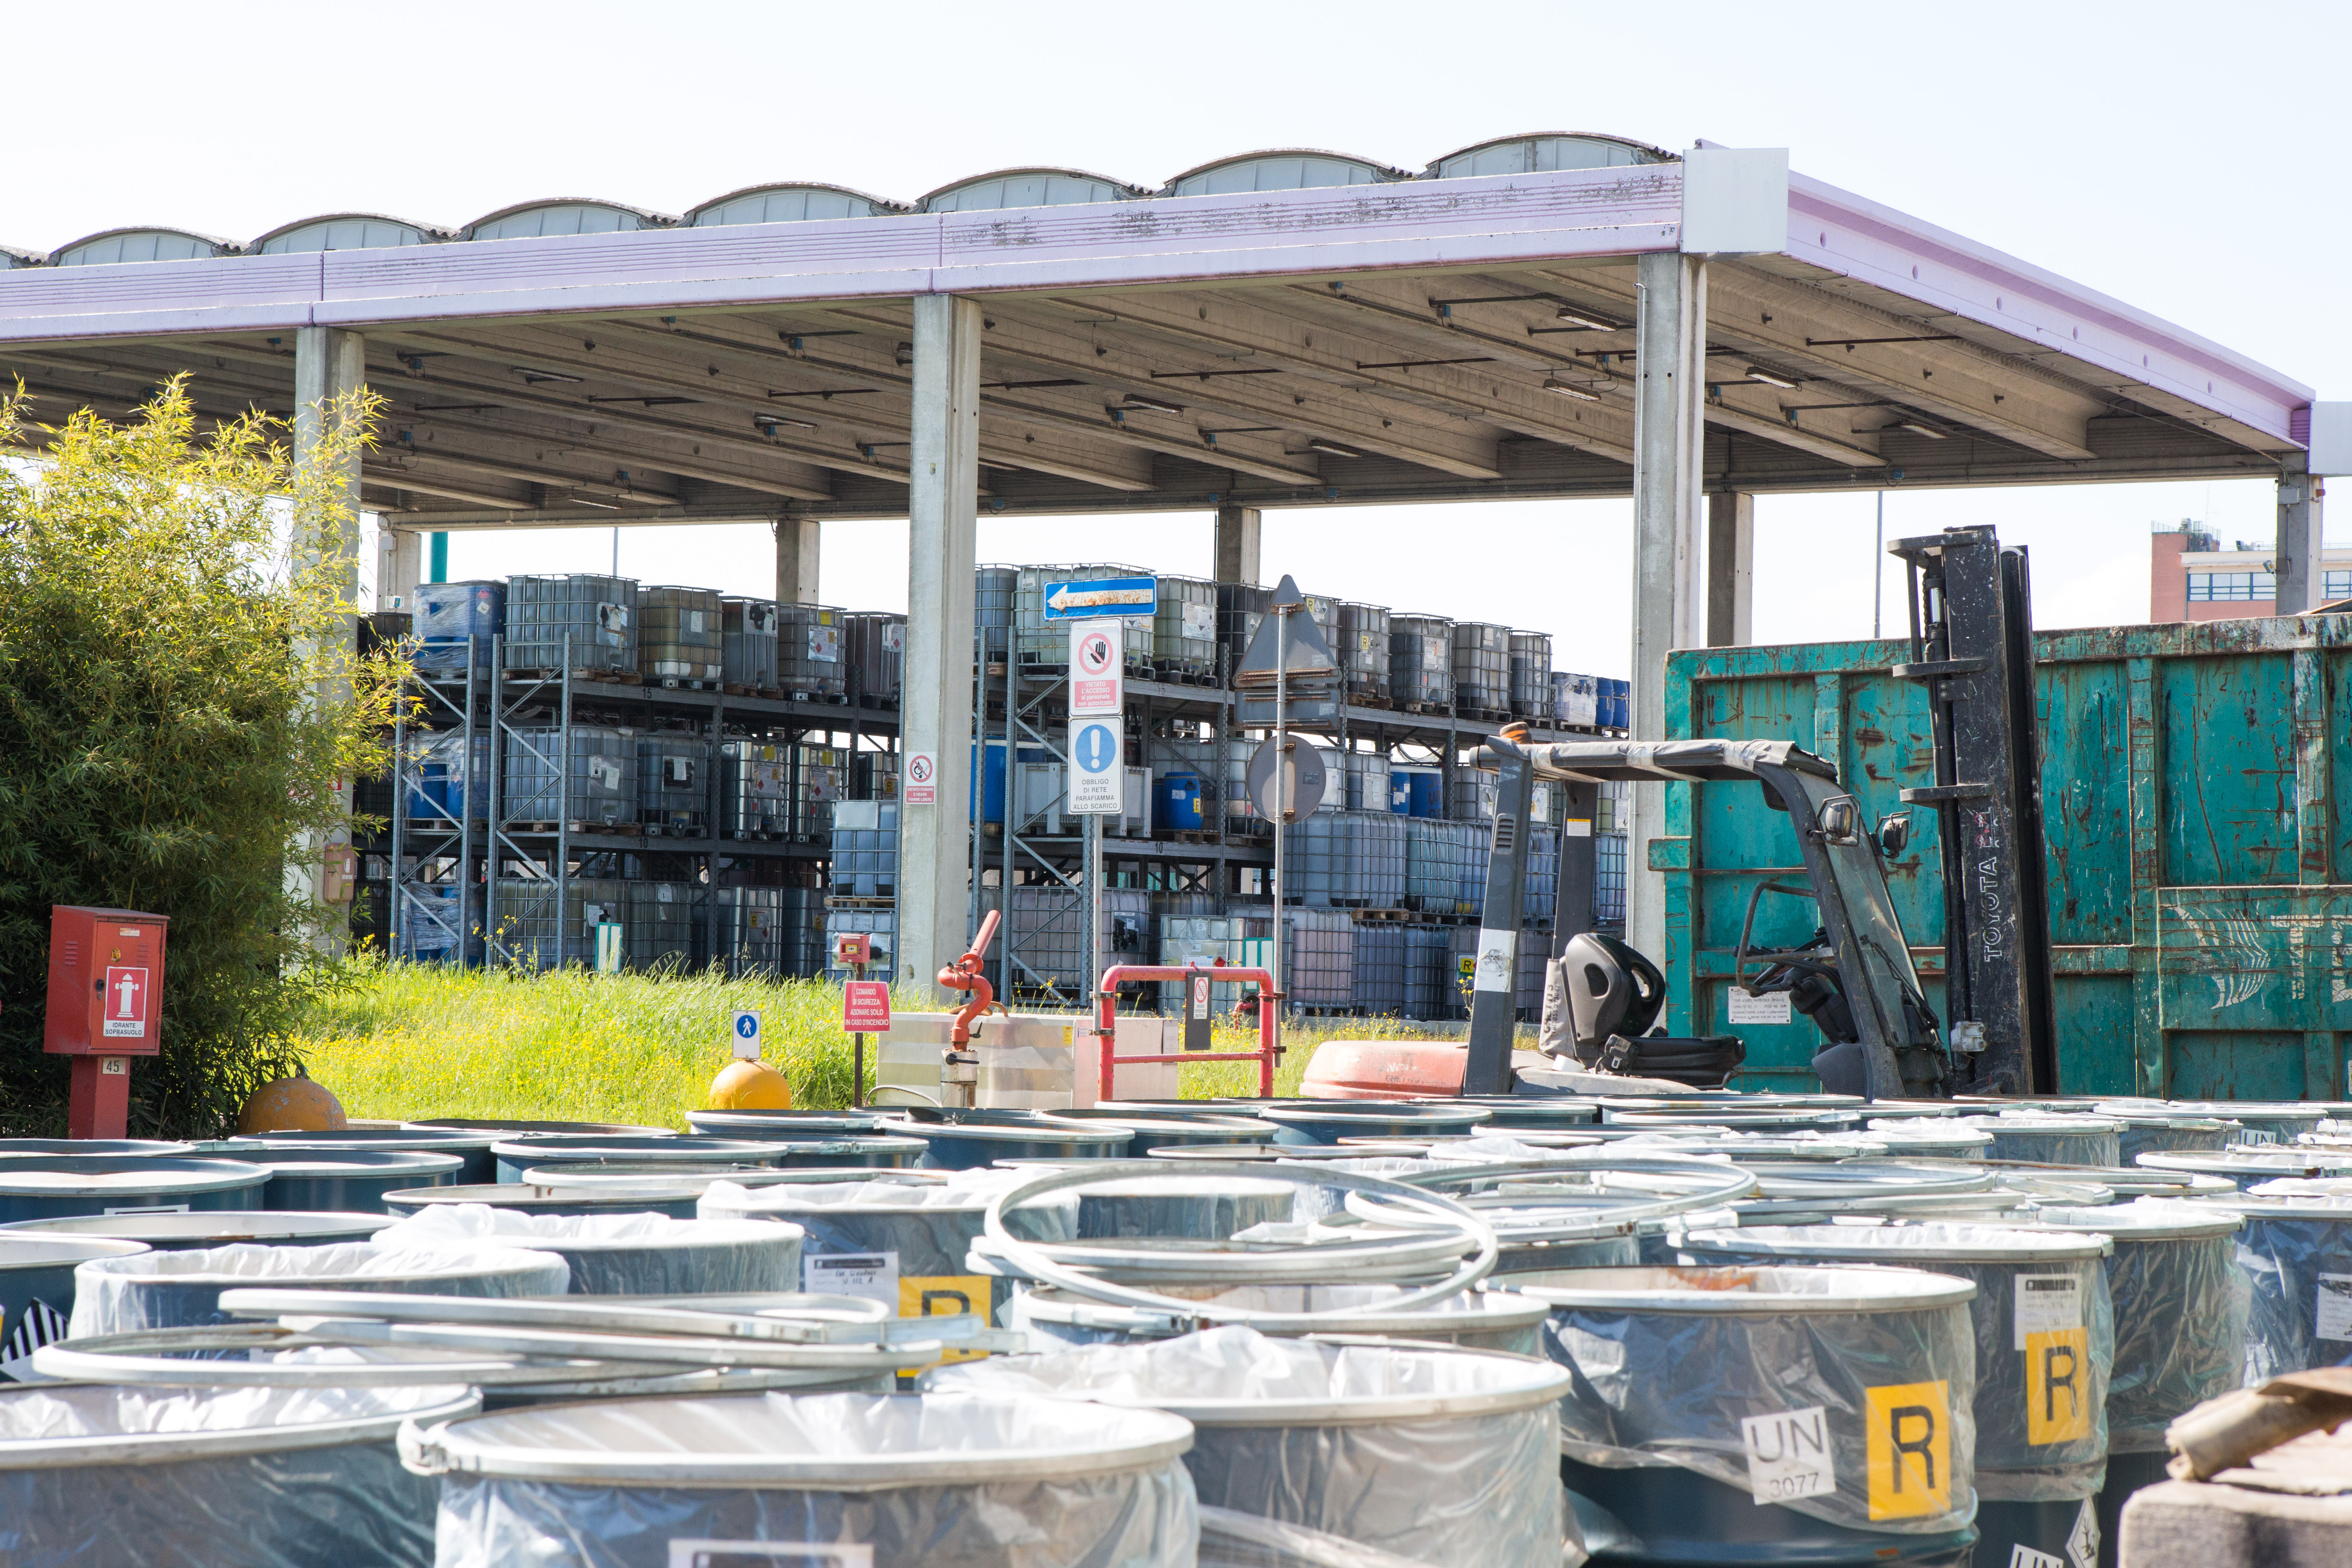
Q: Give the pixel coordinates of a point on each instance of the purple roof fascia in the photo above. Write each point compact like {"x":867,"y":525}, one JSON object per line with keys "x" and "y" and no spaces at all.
{"x":1843,"y":233}
{"x":1499,"y":220}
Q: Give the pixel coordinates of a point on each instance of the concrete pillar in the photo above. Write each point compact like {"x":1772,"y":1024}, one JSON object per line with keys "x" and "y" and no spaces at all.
{"x":1670,"y":362}
{"x":329,"y":364}
{"x":1238,"y":543}
{"x":2298,"y":566}
{"x":796,"y":560}
{"x":935,"y":840}
{"x":399,"y":567}
{"x":1730,"y":569}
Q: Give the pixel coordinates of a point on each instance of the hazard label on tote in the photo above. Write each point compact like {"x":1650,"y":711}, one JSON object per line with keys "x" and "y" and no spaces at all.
{"x":1908,"y":1449}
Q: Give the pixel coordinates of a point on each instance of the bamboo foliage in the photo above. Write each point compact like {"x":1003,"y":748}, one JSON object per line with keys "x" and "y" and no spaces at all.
{"x":180,"y":708}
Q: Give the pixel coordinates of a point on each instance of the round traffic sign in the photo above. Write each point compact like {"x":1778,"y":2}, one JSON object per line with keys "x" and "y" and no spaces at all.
{"x":1302,"y":780}
{"x":1095,"y":749}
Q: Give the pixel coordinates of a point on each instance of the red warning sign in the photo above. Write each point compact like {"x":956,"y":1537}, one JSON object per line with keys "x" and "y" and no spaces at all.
{"x":1097,"y":686}
{"x":865,"y":1007}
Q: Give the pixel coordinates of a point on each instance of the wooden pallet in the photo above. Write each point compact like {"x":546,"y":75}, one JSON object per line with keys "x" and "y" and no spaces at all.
{"x":848,"y":902}
{"x":826,"y":699}
{"x":1427,"y":710}
{"x":1482,"y":715}
{"x":1368,"y":700}
{"x":680,"y":683}
{"x":607,"y":677}
{"x":1380,"y":915}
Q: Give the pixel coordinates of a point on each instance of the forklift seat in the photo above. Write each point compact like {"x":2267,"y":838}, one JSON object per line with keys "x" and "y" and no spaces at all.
{"x":1614,"y":996}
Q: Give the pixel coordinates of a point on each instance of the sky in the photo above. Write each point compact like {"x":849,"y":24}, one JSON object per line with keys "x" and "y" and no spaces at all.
{"x":2189,"y":167}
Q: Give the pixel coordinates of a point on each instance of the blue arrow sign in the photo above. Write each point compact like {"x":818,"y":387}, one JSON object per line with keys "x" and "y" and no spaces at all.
{"x":1102,"y":597}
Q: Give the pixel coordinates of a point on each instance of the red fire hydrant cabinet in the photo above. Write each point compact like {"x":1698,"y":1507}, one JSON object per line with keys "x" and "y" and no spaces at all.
{"x":106,"y":997}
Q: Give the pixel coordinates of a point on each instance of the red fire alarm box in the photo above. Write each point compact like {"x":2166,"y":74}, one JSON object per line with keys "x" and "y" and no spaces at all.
{"x":106,"y":983}
{"x":848,"y":951}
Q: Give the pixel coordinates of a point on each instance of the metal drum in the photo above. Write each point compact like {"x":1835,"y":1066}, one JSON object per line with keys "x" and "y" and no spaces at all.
{"x":649,"y":1195}
{"x":545,"y":1151}
{"x":472,"y":1147}
{"x":1445,"y":1457}
{"x":1765,"y":1415}
{"x":213,"y":1227}
{"x":2045,"y":1337}
{"x":1329,"y":1121}
{"x":1482,"y":1318}
{"x":235,"y":1477}
{"x":964,"y":1145}
{"x":182,"y":1289}
{"x":2296,"y":1254}
{"x":915,"y":1481}
{"x":37,"y":1285}
{"x":348,"y":1181}
{"x":786,"y":1123}
{"x":623,"y":1254}
{"x":121,"y":1148}
{"x":2053,"y":1138}
{"x":2181,"y":1331}
{"x":55,"y":1186}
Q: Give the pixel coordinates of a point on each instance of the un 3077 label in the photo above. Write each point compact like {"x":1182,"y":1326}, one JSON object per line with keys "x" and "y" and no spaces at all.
{"x":2047,"y":1303}
{"x":1789,"y":1454}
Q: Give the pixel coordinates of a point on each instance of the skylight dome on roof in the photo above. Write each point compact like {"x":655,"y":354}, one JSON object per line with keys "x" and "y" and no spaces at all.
{"x":344,"y":231}
{"x":537,"y":220}
{"x":790,"y":204}
{"x":1544,"y":152}
{"x":1290,"y":170}
{"x":1028,"y":188}
{"x":140,"y":245}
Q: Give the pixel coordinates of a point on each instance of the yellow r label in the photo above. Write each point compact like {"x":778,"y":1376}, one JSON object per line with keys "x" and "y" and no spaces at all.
{"x":1908,"y":1449}
{"x":944,"y":1296}
{"x":2058,"y":1387}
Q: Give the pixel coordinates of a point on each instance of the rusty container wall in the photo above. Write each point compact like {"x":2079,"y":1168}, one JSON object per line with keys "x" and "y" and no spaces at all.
{"x":2199,"y":845}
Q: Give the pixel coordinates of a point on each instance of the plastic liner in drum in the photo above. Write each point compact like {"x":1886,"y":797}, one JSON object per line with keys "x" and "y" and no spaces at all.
{"x":2181,"y":1307}
{"x":57,"y":1185}
{"x":2047,"y":1138}
{"x":1445,"y":1457}
{"x":2045,"y":1340}
{"x":2153,"y":1127}
{"x":1230,"y":1539}
{"x":2296,"y":1256}
{"x":904,"y":1243}
{"x":889,"y":1480}
{"x":235,"y":1477}
{"x":1763,"y":1414}
{"x":650,"y":1196}
{"x":622,"y":1254}
{"x":1485,"y":1320}
{"x":182,"y":1289}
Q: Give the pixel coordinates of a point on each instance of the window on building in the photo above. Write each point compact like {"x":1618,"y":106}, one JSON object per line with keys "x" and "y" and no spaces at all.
{"x":2335,"y":585}
{"x":2213,"y":587}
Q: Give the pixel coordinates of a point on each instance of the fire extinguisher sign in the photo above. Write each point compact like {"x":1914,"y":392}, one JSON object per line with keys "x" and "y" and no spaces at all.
{"x":126,"y":1001}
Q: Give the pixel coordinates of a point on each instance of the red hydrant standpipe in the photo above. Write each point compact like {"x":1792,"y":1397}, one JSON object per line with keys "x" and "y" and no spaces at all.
{"x":964,"y":975}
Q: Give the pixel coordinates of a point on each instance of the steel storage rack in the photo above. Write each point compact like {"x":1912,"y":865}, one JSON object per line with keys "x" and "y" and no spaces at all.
{"x":504,"y":853}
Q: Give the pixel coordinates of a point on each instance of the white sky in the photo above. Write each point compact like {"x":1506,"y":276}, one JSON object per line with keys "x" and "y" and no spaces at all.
{"x":2187,"y":163}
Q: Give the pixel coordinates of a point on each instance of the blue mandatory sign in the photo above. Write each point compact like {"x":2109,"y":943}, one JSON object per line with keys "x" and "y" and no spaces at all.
{"x":1097,"y":749}
{"x":747,"y":1025}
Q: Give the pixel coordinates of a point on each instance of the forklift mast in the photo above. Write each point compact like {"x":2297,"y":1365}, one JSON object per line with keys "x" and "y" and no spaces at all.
{"x":1972,"y":641}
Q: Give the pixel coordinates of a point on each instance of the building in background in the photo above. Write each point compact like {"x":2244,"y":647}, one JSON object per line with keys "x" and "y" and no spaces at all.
{"x":2192,"y":578}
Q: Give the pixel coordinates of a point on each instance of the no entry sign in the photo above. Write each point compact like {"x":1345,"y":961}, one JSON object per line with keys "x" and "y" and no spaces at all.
{"x":865,"y":1007}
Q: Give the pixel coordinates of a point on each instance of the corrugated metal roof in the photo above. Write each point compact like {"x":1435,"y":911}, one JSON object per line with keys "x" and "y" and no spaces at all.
{"x":110,"y":245}
{"x":1037,"y":188}
{"x":1275,"y":169}
{"x":346,"y":231}
{"x":791,"y":203}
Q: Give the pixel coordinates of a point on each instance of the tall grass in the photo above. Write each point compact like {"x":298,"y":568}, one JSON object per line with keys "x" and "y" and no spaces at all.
{"x":407,"y":1041}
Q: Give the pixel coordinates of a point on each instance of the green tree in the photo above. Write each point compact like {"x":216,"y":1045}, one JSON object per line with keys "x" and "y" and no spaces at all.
{"x":179,"y":708}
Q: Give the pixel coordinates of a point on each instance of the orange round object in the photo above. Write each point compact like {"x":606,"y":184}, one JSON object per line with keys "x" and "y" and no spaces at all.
{"x":749,"y":1086}
{"x":297,"y":1104}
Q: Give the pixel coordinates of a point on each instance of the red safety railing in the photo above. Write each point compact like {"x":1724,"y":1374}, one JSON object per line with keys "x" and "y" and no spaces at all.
{"x":1269,"y":1018}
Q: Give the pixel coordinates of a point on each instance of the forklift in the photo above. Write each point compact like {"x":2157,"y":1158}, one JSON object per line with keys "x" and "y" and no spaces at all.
{"x":1853,"y":978}
{"x":1969,"y":604}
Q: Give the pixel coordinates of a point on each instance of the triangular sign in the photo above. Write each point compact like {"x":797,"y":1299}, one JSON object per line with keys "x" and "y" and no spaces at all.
{"x":1307,"y":654}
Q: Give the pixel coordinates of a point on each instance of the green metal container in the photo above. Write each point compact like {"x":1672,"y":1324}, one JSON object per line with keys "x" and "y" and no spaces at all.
{"x":2196,"y":848}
